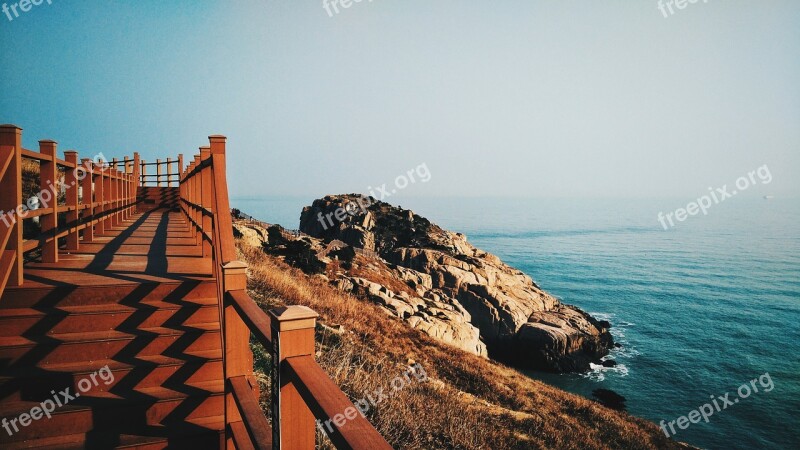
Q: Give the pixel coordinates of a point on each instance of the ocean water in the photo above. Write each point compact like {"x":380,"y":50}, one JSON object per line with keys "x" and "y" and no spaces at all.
{"x":699,"y":309}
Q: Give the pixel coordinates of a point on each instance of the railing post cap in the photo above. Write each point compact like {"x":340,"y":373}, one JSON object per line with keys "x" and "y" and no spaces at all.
{"x":217,"y":138}
{"x":232,"y":265}
{"x":48,"y":141}
{"x":10,"y":127}
{"x":294,"y":317}
{"x":70,"y":152}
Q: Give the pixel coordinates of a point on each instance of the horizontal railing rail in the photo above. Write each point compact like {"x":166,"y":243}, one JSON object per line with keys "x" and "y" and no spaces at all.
{"x":300,"y":390}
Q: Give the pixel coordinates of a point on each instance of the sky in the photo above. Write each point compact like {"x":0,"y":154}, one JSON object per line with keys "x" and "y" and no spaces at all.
{"x":539,"y":99}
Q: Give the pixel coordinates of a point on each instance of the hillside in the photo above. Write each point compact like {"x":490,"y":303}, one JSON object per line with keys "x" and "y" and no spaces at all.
{"x":467,"y":402}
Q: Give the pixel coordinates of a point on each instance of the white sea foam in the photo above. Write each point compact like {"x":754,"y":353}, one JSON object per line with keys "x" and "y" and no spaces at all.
{"x":598,"y":372}
{"x":626,"y":351}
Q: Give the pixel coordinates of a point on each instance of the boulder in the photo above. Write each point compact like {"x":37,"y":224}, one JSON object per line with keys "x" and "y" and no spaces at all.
{"x":437,"y":282}
{"x":519,"y":322}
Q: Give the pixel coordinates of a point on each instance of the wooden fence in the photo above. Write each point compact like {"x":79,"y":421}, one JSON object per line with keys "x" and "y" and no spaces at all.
{"x":301,"y":391}
{"x":97,"y":195}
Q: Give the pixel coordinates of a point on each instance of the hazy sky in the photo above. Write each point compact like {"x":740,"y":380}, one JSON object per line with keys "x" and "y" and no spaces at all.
{"x":497,"y":98}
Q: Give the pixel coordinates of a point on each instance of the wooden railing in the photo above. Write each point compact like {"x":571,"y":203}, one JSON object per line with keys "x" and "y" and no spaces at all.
{"x":97,"y":196}
{"x":300,"y":391}
{"x":167,"y":173}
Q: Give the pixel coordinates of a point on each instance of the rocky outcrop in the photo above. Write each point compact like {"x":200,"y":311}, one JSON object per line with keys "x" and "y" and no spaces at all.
{"x":437,"y":282}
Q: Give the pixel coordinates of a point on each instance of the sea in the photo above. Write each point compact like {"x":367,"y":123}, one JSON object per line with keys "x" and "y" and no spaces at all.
{"x":707,"y":312}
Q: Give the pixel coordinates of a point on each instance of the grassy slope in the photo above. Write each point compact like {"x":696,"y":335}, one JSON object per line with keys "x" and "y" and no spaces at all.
{"x":469,"y":402}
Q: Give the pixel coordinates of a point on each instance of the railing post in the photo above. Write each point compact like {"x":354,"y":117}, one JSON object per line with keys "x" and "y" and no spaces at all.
{"x":120,"y":200}
{"x":48,"y":172}
{"x":71,"y":183}
{"x":207,"y":199}
{"x":100,"y":199}
{"x":181,"y":185}
{"x":169,"y":172}
{"x":121,"y":197}
{"x":143,"y":179}
{"x":158,"y":172}
{"x":198,"y":199}
{"x":292,"y":420}
{"x":87,"y":186}
{"x":137,"y":175}
{"x":188,"y":192}
{"x":126,"y":188}
{"x":108,"y":193}
{"x":11,"y":199}
{"x":221,"y":204}
{"x":237,"y":357}
{"x":114,"y":173}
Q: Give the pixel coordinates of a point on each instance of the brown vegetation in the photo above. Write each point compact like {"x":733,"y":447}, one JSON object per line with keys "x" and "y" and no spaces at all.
{"x":375,"y":270}
{"x":468,"y":403}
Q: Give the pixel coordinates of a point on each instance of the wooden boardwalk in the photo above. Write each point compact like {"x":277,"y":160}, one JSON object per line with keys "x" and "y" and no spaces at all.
{"x":129,"y":324}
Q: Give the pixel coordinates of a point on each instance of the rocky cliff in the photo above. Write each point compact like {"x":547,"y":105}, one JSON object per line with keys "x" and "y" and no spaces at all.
{"x":437,"y":282}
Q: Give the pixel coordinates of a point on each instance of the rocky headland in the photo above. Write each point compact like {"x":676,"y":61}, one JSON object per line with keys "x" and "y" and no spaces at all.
{"x":435,"y":281}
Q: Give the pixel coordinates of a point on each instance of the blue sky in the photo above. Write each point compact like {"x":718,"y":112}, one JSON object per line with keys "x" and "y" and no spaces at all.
{"x":512,"y":98}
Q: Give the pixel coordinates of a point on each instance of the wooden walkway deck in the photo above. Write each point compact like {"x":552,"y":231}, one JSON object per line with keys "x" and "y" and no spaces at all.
{"x":154,"y":246}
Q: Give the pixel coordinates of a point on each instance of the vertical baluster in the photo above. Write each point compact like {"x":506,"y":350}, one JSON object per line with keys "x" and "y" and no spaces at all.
{"x":113,"y":173}
{"x":107,"y":197}
{"x":187,"y":194}
{"x":48,"y":198}
{"x":71,"y":184}
{"x":137,"y":178}
{"x":205,"y":181}
{"x":181,"y":186}
{"x":99,"y":198}
{"x":10,"y":202}
{"x":126,"y":213}
{"x":118,"y":195}
{"x":198,"y":199}
{"x":87,"y":185}
{"x":169,"y":172}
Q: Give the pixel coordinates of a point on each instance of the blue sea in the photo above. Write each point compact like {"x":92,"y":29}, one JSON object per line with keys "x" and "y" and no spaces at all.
{"x":700,"y":309}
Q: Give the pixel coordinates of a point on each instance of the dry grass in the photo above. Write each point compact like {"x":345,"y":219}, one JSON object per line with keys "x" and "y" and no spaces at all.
{"x":376,"y":271}
{"x":469,"y":402}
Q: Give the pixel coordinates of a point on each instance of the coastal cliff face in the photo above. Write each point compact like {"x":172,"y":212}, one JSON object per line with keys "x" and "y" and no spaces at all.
{"x":437,"y":282}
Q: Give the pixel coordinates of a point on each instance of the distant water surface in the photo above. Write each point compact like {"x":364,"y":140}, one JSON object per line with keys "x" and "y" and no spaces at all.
{"x":700,"y":309}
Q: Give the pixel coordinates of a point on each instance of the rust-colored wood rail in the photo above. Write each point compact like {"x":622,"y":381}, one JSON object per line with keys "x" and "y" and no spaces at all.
{"x":301,"y":391}
{"x":168,"y":172}
{"x":98,"y":196}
